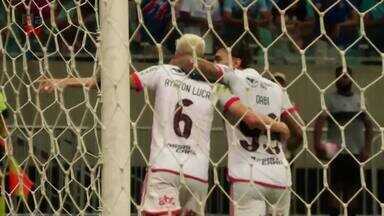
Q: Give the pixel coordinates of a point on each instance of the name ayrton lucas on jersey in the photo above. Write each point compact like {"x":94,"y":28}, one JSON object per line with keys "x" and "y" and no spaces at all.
{"x":194,"y":90}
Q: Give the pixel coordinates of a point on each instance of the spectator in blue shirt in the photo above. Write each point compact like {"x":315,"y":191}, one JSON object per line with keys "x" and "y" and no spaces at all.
{"x":157,"y":18}
{"x":299,"y":20}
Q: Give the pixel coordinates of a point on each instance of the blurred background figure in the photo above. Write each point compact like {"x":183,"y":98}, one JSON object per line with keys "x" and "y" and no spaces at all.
{"x":193,"y":18}
{"x":36,"y":21}
{"x":299,"y":20}
{"x":157,"y":18}
{"x":343,"y":105}
{"x":341,"y":21}
{"x":259,"y":15}
{"x":374,"y":23}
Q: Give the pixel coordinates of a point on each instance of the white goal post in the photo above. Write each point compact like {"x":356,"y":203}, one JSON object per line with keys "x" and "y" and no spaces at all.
{"x":114,"y":64}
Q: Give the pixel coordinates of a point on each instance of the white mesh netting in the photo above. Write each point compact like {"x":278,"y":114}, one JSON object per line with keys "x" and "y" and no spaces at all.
{"x":52,"y":153}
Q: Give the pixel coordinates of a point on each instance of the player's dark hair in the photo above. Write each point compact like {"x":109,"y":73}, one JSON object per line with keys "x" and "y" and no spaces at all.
{"x":243,"y":53}
{"x":279,"y":79}
{"x":339,"y":71}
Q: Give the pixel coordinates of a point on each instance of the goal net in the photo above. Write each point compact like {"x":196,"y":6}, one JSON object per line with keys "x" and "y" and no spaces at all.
{"x":77,"y":147}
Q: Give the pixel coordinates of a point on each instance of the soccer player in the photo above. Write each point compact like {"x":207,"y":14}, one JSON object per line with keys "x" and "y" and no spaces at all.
{"x":258,"y":170}
{"x":180,"y":142}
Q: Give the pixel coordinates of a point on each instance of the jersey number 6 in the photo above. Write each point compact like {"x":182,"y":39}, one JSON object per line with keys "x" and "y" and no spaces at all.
{"x":181,"y":117}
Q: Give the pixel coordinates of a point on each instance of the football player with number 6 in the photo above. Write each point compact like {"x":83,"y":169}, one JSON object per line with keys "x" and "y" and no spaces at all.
{"x":177,"y":178}
{"x":257,"y":168}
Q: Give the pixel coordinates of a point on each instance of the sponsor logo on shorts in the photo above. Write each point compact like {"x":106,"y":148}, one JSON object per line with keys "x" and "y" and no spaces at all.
{"x":166,"y":200}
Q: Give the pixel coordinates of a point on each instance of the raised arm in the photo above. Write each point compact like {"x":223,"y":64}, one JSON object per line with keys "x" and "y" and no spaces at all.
{"x":48,"y":85}
{"x":211,"y":71}
{"x":293,"y":122}
{"x":255,"y":120}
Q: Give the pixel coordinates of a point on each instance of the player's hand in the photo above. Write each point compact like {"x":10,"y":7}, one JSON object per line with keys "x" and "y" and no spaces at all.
{"x":185,"y":62}
{"x":88,"y":82}
{"x":48,"y":85}
{"x":285,"y":133}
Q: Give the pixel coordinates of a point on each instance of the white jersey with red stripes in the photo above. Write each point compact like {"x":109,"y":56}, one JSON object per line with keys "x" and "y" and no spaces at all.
{"x":250,"y":157}
{"x":182,"y":120}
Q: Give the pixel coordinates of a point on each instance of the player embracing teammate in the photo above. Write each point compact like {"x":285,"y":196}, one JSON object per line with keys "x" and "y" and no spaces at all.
{"x":257,"y":169}
{"x":176,"y":182}
{"x":180,"y":146}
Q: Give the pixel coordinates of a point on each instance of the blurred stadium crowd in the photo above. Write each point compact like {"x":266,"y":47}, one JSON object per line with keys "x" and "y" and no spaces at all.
{"x":341,"y":20}
{"x":57,"y":26}
{"x":75,"y":24}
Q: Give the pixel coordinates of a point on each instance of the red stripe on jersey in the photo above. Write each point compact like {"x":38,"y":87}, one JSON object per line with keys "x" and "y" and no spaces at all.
{"x":290,"y":110}
{"x":162,"y":213}
{"x":233,"y":180}
{"x":230,"y":102}
{"x":137,"y":82}
{"x":177,"y":173}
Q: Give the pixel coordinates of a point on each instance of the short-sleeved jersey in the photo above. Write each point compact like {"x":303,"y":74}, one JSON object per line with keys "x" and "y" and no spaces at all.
{"x":182,"y":120}
{"x":250,"y":155}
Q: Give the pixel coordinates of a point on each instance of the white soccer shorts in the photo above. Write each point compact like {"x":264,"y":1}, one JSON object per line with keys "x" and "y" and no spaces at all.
{"x":164,"y":194}
{"x":258,"y":200}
